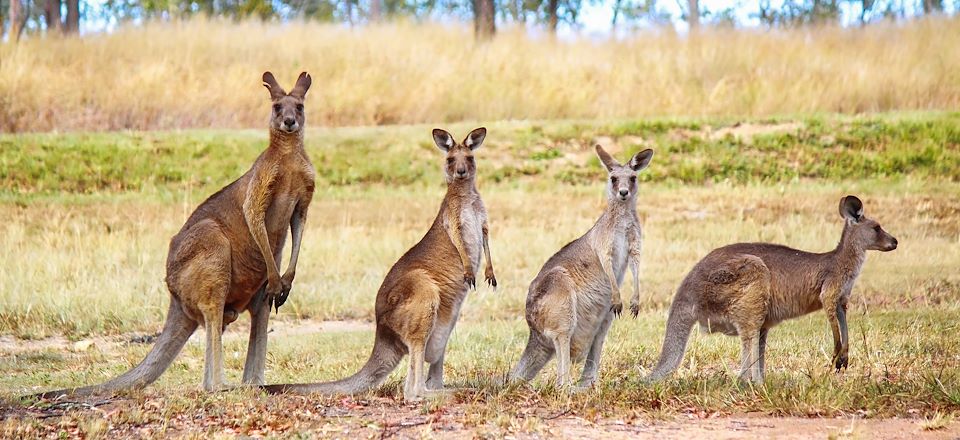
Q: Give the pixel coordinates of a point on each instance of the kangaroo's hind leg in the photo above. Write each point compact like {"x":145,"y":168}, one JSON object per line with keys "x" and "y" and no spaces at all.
{"x":555,"y":315}
{"x":437,"y":344}
{"x":203,"y":283}
{"x":538,"y":352}
{"x":591,"y":365}
{"x":256,"y":363}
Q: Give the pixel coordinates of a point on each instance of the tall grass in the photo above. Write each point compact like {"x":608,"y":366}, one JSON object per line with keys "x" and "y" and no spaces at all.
{"x":206,"y":73}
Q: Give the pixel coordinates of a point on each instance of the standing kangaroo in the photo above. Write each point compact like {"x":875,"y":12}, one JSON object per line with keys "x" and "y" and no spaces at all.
{"x":225,"y":258}
{"x":419,"y":301}
{"x":572,"y":301}
{"x":745,"y":289}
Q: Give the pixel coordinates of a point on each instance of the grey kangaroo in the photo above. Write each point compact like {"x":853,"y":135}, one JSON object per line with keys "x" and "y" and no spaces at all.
{"x":419,"y":301}
{"x":225,"y":259}
{"x":746,"y":289}
{"x":572,"y":301}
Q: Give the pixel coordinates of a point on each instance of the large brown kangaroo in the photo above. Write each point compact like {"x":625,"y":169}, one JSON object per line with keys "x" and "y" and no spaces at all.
{"x":419,"y":301}
{"x":746,"y":289}
{"x":225,"y":258}
{"x":572,"y":301}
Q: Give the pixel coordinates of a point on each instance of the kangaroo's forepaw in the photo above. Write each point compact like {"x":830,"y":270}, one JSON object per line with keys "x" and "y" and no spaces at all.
{"x":617,"y":309}
{"x":492,"y":281}
{"x":470,"y":281}
{"x":635,"y":309}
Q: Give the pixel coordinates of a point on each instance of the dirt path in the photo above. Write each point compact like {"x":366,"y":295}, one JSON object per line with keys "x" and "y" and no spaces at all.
{"x":11,"y":345}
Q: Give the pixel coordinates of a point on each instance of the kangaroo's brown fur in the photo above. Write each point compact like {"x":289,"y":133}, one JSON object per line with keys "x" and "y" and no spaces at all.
{"x":745,"y":289}
{"x":572,"y":301}
{"x":225,"y":258}
{"x":419,"y":301}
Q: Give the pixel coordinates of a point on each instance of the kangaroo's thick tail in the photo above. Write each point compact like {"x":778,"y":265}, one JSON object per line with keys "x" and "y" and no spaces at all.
{"x":176,"y":332}
{"x":683,"y":315}
{"x":387,"y":352}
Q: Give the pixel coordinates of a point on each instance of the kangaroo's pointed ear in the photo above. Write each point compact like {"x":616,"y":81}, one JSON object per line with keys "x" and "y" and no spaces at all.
{"x":271,"y":84}
{"x":475,"y":138}
{"x":641,"y":160}
{"x":851,"y":208}
{"x":303,"y":84}
{"x":608,"y":161}
{"x":443,"y":139}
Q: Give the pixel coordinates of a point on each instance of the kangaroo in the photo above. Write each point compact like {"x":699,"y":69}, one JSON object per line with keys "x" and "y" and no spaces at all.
{"x":746,"y":289}
{"x":225,"y":258}
{"x":572,"y":301}
{"x":419,"y":301}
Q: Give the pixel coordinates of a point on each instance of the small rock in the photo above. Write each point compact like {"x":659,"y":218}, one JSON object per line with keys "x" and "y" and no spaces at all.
{"x":82,"y":345}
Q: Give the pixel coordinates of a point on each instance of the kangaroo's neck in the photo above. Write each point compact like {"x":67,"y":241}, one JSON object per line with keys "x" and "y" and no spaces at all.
{"x":460,"y":189}
{"x":286,"y":143}
{"x":619,"y":211}
{"x":847,"y":259}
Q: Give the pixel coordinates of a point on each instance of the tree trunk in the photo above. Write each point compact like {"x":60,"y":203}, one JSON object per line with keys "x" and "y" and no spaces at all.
{"x":693,"y":15}
{"x":376,"y":10}
{"x":52,"y":14}
{"x":73,"y":17}
{"x":932,"y":6}
{"x":552,"y":15}
{"x":16,"y":20}
{"x":484,"y":13}
{"x":616,"y":13}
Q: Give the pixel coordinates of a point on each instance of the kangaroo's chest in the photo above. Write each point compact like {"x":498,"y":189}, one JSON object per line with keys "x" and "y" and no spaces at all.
{"x":472,"y":218}
{"x":289,"y":191}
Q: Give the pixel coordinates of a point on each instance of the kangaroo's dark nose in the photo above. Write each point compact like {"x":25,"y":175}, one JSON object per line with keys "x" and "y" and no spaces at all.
{"x":623,"y":193}
{"x":894,"y":243}
{"x":461,"y":172}
{"x":289,"y":122}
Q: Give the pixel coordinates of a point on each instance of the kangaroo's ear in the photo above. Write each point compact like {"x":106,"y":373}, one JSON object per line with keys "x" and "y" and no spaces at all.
{"x":641,"y":160}
{"x":270,"y":83}
{"x":851,"y":208}
{"x":475,"y":138}
{"x":303,"y":84}
{"x":443,"y":139}
{"x":608,"y":161}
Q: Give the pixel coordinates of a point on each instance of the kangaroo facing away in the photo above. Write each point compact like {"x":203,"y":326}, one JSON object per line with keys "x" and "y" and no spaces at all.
{"x":225,"y":258}
{"x":419,"y":301}
{"x":572,"y":301}
{"x":746,"y":289}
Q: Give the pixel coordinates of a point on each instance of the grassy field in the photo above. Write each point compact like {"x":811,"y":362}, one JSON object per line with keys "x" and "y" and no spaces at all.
{"x":204,"y":74}
{"x":88,"y":217}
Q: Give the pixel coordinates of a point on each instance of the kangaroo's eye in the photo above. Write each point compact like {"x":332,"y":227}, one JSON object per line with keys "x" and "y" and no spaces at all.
{"x":470,"y":159}
{"x":633,"y":179}
{"x":449,"y":160}
{"x":877,"y":229}
{"x":276,"y":108}
{"x":613,"y":180}
{"x":300,"y":108}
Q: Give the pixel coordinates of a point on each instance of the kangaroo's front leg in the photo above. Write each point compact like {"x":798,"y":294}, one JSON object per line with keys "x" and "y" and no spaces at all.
{"x":634,"y":257}
{"x":455,"y":231}
{"x":255,"y":204}
{"x":488,"y":273}
{"x":297,"y":220}
{"x":842,"y":353}
{"x":830,"y":298}
{"x":606,"y":262}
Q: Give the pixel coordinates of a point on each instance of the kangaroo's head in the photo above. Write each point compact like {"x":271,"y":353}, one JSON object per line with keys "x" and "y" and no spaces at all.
{"x":622,"y":184}
{"x":863,"y":232}
{"x":286,"y":115}
{"x":460,"y":165}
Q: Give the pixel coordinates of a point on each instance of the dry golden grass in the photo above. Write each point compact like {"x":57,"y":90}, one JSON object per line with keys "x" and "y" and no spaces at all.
{"x":202,"y":73}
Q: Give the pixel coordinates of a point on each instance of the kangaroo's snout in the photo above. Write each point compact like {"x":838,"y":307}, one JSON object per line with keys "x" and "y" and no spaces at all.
{"x":623,"y":193}
{"x":461,"y":172}
{"x":891,"y":245}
